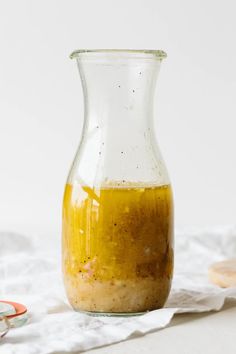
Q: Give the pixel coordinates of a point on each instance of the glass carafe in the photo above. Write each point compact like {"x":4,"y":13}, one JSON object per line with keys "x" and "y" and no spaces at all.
{"x":118,"y":207}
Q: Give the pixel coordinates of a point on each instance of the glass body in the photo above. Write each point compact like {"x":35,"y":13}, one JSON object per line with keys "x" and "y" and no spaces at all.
{"x":117,"y":247}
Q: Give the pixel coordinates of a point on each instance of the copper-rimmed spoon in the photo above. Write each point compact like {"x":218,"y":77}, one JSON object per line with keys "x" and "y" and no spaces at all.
{"x":20,"y":310}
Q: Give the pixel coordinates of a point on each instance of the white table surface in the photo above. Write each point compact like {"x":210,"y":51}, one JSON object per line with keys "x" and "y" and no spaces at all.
{"x":207,"y":333}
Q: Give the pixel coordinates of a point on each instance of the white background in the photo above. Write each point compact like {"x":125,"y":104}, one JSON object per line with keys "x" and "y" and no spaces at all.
{"x":41,"y":103}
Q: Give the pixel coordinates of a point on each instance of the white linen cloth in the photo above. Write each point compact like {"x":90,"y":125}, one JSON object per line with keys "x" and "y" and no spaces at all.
{"x":33,"y":277}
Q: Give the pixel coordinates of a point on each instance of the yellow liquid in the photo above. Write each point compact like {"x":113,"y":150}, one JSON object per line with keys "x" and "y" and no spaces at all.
{"x":117,"y":247}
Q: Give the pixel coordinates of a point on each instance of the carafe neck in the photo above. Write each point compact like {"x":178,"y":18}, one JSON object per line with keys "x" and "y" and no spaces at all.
{"x":118,"y":90}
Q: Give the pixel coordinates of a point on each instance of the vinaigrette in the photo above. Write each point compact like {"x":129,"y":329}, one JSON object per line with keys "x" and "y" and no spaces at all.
{"x":117,"y":247}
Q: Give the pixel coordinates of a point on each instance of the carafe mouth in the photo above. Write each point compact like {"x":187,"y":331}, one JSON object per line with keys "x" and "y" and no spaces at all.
{"x":138,"y":53}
